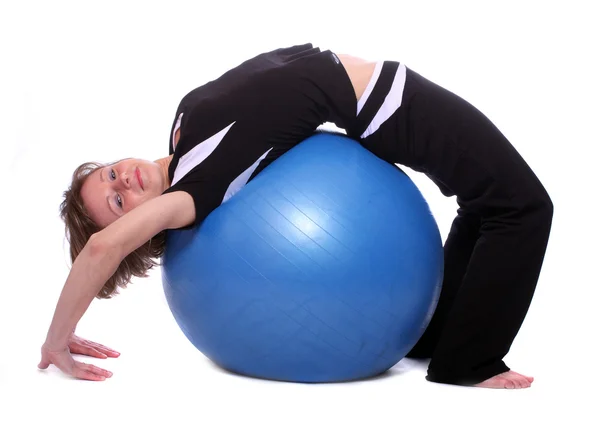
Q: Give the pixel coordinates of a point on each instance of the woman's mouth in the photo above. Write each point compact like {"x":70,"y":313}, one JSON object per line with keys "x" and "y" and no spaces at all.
{"x":138,"y":175}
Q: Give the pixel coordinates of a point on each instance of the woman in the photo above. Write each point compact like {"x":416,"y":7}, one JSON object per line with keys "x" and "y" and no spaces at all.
{"x":227,"y":131}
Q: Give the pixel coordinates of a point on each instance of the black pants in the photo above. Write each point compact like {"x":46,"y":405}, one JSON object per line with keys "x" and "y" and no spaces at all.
{"x":496,"y":246}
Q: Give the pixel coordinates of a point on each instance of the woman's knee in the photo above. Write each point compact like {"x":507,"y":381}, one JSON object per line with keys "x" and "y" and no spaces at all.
{"x":534,"y":198}
{"x":545,"y":205}
{"x":540,"y":212}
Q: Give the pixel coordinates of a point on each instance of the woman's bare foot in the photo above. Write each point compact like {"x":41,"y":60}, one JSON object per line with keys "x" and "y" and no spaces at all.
{"x":508,"y":380}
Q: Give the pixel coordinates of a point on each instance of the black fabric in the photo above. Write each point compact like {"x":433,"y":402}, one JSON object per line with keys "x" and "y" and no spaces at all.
{"x":376,"y":98}
{"x":495,"y":249}
{"x":274,"y":101}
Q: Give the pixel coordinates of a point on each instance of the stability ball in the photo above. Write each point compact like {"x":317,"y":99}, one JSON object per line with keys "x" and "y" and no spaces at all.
{"x":326,"y":267}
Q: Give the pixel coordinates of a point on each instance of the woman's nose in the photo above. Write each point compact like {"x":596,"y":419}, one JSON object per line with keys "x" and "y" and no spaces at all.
{"x":125,"y":180}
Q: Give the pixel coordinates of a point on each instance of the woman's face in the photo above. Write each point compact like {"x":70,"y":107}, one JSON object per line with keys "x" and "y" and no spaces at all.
{"x":116,"y":189}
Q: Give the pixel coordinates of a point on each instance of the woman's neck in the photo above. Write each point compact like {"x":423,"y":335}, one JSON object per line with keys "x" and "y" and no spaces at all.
{"x":164,"y":163}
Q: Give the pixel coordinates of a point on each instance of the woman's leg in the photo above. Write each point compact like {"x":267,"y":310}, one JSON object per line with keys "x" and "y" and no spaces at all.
{"x":438,"y":133}
{"x":458,"y":248}
{"x":466,"y":155}
{"x":494,"y":296}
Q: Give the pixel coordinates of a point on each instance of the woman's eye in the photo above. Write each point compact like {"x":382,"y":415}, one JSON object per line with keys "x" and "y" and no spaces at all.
{"x":119,"y":201}
{"x":112,"y":174}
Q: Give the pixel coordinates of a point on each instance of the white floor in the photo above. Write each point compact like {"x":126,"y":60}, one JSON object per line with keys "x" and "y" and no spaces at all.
{"x":161,"y":378}
{"x":81,"y":83}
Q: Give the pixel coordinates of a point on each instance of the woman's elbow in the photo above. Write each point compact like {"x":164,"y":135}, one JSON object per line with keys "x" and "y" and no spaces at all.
{"x":99,"y":246}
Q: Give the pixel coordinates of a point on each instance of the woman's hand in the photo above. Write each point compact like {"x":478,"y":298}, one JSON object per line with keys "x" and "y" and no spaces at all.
{"x":62,"y":359}
{"x":80,"y":346}
{"x":97,"y":262}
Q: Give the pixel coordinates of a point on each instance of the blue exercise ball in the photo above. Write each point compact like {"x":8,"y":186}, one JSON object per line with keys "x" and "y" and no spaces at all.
{"x":326,"y":267}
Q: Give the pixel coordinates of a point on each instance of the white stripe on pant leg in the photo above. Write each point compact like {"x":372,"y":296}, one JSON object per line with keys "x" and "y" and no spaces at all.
{"x":369,"y":88}
{"x":392,"y":102}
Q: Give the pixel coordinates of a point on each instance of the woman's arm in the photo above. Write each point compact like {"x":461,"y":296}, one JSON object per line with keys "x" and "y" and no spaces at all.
{"x":98,"y":261}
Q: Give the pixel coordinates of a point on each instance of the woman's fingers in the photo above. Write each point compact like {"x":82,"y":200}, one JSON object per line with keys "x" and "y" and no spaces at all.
{"x":45,"y":360}
{"x":84,"y":349}
{"x":93,"y":352}
{"x":44,"y":363}
{"x":98,"y":370}
{"x":82,"y":374}
{"x":91,"y":372}
{"x":106,"y":350}
{"x":64,"y":361}
{"x":111,"y":353}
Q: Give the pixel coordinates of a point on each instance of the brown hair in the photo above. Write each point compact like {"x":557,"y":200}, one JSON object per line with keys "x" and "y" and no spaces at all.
{"x":79,"y":227}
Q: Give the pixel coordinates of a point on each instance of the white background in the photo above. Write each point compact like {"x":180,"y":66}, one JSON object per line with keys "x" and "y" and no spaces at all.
{"x":101,"y":80}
